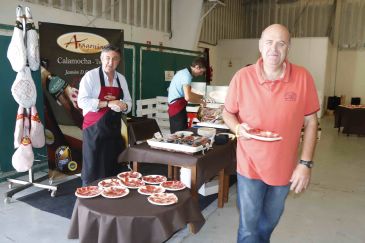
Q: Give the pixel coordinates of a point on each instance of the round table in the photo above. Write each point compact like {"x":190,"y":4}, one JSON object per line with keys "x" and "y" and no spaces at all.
{"x":132,"y":218}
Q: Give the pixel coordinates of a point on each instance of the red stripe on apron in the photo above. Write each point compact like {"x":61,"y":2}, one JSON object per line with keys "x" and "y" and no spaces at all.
{"x":178,"y":105}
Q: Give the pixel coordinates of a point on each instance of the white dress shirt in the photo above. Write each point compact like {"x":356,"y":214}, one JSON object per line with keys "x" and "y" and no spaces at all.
{"x":89,"y":90}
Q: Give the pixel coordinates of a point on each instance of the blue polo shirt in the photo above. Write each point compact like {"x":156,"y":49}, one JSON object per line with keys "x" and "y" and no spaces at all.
{"x":181,"y":78}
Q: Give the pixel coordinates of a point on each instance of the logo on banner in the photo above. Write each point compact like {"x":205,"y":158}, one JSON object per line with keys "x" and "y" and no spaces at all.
{"x":82,"y":42}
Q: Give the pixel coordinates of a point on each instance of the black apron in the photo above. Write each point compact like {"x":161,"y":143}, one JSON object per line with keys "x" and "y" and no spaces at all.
{"x":178,"y":116}
{"x":102,"y":141}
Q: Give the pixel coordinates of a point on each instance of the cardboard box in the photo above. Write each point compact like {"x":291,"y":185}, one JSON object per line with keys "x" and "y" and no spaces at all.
{"x":209,"y":188}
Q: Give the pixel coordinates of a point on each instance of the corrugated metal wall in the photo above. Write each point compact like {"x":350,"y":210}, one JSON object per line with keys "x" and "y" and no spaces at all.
{"x":222,"y":22}
{"x":352,"y":25}
{"x":236,"y":19}
{"x":150,"y":14}
{"x":304,"y":18}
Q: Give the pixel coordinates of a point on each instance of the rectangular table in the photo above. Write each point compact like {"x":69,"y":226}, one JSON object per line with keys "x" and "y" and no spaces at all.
{"x":351,"y":118}
{"x":221,"y":159}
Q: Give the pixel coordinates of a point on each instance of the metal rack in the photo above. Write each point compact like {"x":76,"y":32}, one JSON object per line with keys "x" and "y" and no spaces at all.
{"x":31,"y":181}
{"x":24,"y":184}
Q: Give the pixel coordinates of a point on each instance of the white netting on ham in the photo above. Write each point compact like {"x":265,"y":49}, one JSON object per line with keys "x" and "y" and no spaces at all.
{"x":23,"y":157}
{"x":16,"y":50}
{"x":19,"y":127}
{"x":23,"y":89}
{"x":32,"y":42}
{"x":36,"y":130}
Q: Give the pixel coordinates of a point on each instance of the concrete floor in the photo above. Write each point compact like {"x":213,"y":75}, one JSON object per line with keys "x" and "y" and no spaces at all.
{"x":332,"y":210}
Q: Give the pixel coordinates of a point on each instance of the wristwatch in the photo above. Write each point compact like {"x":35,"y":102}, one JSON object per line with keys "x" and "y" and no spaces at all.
{"x":307,"y":163}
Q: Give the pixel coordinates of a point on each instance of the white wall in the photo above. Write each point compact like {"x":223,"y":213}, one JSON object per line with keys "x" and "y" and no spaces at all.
{"x":311,"y":53}
{"x":350,"y":76}
{"x":186,"y":23}
{"x":239,"y":52}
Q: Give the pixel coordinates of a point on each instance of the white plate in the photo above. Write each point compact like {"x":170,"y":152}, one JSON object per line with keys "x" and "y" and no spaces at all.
{"x":230,"y":135}
{"x":182,"y":185}
{"x":128,"y":174}
{"x":96,"y":188}
{"x":162,"y":179}
{"x":183,"y":133}
{"x":105,"y":190}
{"x":159,"y":188}
{"x":172,"y":196}
{"x":133,"y":180}
{"x":265,"y":138}
{"x":110,"y":182}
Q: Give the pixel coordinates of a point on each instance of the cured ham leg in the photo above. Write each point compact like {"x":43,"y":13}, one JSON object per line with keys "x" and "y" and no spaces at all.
{"x":19,"y":127}
{"x":32,"y":42}
{"x":36,"y":129}
{"x":23,"y":89}
{"x":23,"y":157}
{"x":16,"y":50}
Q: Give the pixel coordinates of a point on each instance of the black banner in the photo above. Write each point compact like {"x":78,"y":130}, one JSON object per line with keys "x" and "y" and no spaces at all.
{"x":67,"y":53}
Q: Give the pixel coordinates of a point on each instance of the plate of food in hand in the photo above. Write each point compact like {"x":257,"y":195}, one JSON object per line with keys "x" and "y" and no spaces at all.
{"x":115,"y":192}
{"x":163,"y":199}
{"x":263,"y":135}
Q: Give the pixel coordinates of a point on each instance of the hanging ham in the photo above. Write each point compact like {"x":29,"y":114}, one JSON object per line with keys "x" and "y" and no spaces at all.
{"x":19,"y":127}
{"x":36,"y":129}
{"x":23,"y":157}
{"x":32,"y":42}
{"x":23,"y":89}
{"x":16,"y":50}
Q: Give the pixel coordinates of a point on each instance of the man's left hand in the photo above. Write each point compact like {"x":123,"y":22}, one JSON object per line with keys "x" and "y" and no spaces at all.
{"x":300,"y":178}
{"x":118,"y":105}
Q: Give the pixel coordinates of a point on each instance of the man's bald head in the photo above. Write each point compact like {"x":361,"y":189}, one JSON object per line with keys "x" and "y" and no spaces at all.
{"x":277,"y":28}
{"x":274,"y":45}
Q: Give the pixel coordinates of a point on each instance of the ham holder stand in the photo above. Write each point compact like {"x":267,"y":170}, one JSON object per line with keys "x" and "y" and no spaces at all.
{"x":26,"y":184}
{"x":22,"y":60}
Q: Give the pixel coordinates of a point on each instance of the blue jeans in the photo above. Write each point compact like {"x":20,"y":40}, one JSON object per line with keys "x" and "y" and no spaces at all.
{"x":260,"y":207}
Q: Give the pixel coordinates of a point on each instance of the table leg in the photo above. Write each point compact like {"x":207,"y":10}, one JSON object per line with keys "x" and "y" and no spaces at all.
{"x":176,"y":173}
{"x":226,"y":187}
{"x":221,"y":189}
{"x":194,"y":189}
{"x":192,"y":228}
{"x":169,"y":171}
{"x":135,"y":166}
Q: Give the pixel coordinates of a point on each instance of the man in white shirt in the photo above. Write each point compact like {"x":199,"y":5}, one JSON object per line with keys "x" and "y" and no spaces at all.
{"x":103,"y":97}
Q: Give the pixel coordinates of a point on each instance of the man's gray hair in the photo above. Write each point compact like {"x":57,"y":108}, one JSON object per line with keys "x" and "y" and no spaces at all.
{"x":110,"y":47}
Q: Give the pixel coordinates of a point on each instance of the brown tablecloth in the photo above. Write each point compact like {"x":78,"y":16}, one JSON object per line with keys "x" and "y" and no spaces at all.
{"x":132,"y":219}
{"x":351,"y":119}
{"x":208,"y":165}
{"x":141,"y":128}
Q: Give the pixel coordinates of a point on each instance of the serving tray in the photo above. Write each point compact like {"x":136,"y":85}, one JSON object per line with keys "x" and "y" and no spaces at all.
{"x":154,"y":143}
